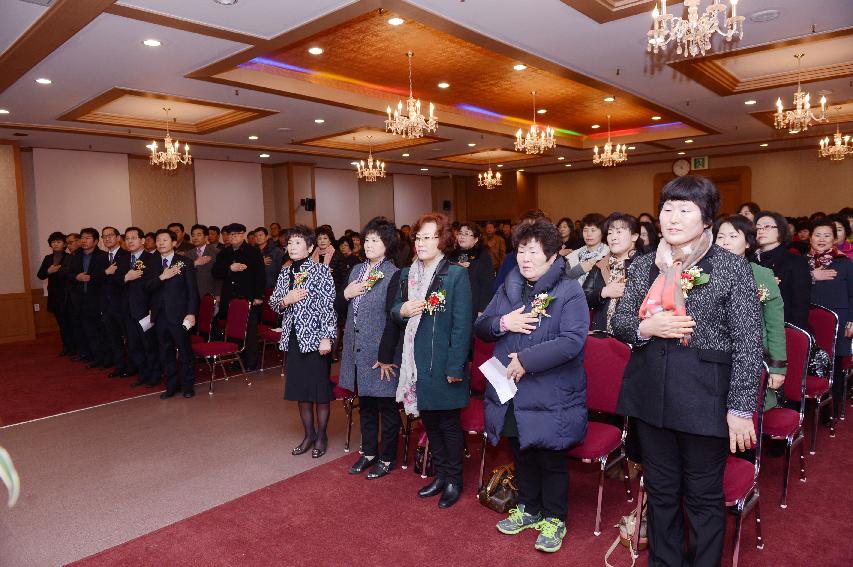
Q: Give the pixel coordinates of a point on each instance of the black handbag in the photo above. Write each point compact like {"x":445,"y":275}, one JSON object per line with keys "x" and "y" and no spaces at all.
{"x":419,"y":462}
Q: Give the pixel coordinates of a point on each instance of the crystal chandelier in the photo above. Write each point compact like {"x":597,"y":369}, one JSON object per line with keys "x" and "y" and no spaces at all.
{"x":373,"y":170}
{"x":536,"y":141}
{"x":610,"y":155}
{"x":800,"y":119}
{"x":413,"y":124}
{"x":489,"y":180}
{"x":693,"y":35}
{"x":171,"y":157}
{"x":840,"y":145}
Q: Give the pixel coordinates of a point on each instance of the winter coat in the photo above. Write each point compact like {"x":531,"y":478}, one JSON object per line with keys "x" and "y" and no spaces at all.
{"x":314,"y":317}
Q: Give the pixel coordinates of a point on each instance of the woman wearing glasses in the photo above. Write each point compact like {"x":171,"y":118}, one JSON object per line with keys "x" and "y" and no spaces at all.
{"x":476,"y":258}
{"x":791,"y":270}
{"x":433,"y":304}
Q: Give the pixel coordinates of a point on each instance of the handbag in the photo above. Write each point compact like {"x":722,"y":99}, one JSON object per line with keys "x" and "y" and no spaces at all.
{"x":500,"y":493}
{"x":627,"y":526}
{"x":419,"y":462}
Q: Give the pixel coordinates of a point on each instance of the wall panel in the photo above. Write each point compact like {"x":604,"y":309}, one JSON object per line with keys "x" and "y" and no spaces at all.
{"x":376,"y":199}
{"x":337,"y":199}
{"x":412,"y":197}
{"x":229,"y":192}
{"x":158,"y":197}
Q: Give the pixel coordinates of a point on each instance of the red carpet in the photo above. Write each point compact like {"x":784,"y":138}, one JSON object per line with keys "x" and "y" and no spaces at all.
{"x":327,"y":517}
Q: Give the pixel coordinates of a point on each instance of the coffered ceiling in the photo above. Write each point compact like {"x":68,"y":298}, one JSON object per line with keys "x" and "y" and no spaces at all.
{"x":231,"y":72}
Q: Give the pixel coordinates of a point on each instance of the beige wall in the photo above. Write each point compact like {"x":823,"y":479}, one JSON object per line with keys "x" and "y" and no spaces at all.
{"x":158,"y":198}
{"x":792,"y":182}
{"x":375,"y":199}
{"x":281,"y":214}
{"x":11,"y":277}
{"x":268,"y":185}
{"x":442,"y":190}
{"x":302,"y":177}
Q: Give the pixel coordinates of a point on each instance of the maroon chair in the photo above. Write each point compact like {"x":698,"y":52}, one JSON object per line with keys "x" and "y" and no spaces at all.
{"x":740,"y":479}
{"x":204,"y":323}
{"x":267,"y":333}
{"x":229,"y":350}
{"x":473,"y":415}
{"x":786,"y":424}
{"x":845,"y":371}
{"x":823,"y":325}
{"x":604,"y":360}
{"x":350,"y":400}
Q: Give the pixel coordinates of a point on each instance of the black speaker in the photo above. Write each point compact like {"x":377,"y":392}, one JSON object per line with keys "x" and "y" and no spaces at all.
{"x":309,"y":204}
{"x":445,"y":206}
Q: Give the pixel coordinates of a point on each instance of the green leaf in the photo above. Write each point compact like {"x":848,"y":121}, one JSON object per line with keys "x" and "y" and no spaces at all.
{"x":703,"y":279}
{"x":9,"y":476}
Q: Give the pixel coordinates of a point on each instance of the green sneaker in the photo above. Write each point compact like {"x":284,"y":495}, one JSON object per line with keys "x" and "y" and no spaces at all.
{"x":518,"y":521}
{"x":551,"y":534}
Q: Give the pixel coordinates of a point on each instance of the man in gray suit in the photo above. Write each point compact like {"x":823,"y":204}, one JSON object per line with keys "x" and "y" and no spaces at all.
{"x":203,"y":254}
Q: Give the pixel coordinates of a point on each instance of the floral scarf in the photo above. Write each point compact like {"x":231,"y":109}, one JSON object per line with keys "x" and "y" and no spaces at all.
{"x":614,"y":270}
{"x":420,"y":278}
{"x":822,"y":260}
{"x":327,"y":256}
{"x":665,"y":294}
{"x":585,"y":255}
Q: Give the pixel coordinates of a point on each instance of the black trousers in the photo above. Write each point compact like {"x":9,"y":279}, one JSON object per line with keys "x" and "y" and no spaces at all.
{"x":65,"y":320}
{"x":543,"y":480}
{"x":446,"y":442}
{"x":176,"y":356}
{"x":142,"y":351}
{"x":115,"y":333}
{"x":370,"y":409}
{"x":92,"y":326}
{"x":683,"y":467}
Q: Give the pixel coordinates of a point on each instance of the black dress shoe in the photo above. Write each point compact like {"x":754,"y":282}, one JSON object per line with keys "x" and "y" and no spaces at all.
{"x":450,"y":496}
{"x":138,"y":383}
{"x":306,"y":444}
{"x":93,"y":365}
{"x":362,"y":465}
{"x":166,"y":395}
{"x":379,"y":470}
{"x":151,"y":384}
{"x":432,"y":489}
{"x":129,"y":373}
{"x":189,"y":394}
{"x":116,"y":373}
{"x":320,"y":447}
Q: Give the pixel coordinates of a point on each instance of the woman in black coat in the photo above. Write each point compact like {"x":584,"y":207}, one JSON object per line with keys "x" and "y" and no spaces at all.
{"x":791,"y":270}
{"x":692,"y":314}
{"x":54,"y":269}
{"x":476,"y":258}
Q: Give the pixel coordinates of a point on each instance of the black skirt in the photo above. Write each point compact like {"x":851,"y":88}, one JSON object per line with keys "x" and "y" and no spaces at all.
{"x":307,"y":375}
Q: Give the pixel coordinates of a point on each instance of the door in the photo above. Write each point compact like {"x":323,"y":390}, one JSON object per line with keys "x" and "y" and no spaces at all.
{"x":733,"y":183}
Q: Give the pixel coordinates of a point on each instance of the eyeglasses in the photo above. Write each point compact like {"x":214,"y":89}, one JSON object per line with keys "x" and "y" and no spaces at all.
{"x":425,"y":238}
{"x":766,"y":227}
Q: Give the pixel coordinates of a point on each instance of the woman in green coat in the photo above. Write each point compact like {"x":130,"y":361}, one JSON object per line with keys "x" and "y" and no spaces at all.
{"x":737,"y":234}
{"x":433,"y":304}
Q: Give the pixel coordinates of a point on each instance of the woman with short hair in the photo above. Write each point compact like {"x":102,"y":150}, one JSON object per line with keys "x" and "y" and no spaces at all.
{"x":476,"y":258}
{"x":582,"y":260}
{"x":791,"y":270}
{"x":749,"y":210}
{"x":54,"y":268}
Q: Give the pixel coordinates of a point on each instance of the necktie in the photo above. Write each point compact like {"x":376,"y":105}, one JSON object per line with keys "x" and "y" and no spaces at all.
{"x":165,"y":262}
{"x":133,"y":260}
{"x":111,"y":257}
{"x":199,"y":251}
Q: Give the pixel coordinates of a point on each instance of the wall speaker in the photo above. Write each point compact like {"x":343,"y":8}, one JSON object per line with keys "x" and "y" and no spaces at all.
{"x":445,"y":206}
{"x":309,"y":204}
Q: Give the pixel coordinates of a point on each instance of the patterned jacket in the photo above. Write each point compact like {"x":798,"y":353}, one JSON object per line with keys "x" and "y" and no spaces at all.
{"x":314,"y":317}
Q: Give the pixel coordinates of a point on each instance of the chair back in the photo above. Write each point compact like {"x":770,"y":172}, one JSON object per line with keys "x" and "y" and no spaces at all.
{"x":604,"y":360}
{"x":238,"y":319}
{"x":798,"y":345}
{"x":205,"y":314}
{"x":483,"y":351}
{"x":758,"y":417}
{"x":823,"y":324}
{"x":268,"y":316}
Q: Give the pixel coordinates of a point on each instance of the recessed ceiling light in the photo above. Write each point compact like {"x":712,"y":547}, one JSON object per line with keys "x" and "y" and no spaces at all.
{"x":264,"y":155}
{"x":764,"y":16}
{"x":500,"y":165}
{"x":750,"y":102}
{"x":688,"y":141}
{"x":284,"y":129}
{"x":405,"y":155}
{"x":424,"y":169}
{"x":315,"y":50}
{"x":353,"y":163}
{"x":542,"y":111}
{"x":632,"y":147}
{"x":520,"y":171}
{"x":471,"y":144}
{"x":319,"y":120}
{"x":595,"y":126}
{"x":152,"y":43}
{"x":681,"y":153}
{"x":3,"y":111}
{"x":396,"y":21}
{"x":519,"y":67}
{"x":43,"y":81}
{"x":253,"y":137}
{"x":655,"y":117}
{"x":568,"y":165}
{"x":609,"y":99}
{"x":764,"y":145}
{"x":561,"y":158}
{"x":443,"y":85}
{"x":226,"y":2}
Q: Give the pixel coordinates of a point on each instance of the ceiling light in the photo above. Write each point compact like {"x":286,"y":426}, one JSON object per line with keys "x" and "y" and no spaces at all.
{"x":500,"y":165}
{"x":568,"y":165}
{"x":561,"y":158}
{"x":284,"y":129}
{"x":424,"y":169}
{"x":318,"y":121}
{"x":253,"y":137}
{"x":152,"y":43}
{"x":632,"y":147}
{"x":226,"y":2}
{"x":764,"y":145}
{"x":541,"y":111}
{"x":264,"y":155}
{"x":764,"y":16}
{"x":405,"y":155}
{"x":519,"y":67}
{"x":170,"y":158}
{"x":353,"y":163}
{"x":688,"y":141}
{"x":396,"y":21}
{"x":315,"y":50}
{"x":471,"y":145}
{"x":750,"y":102}
{"x":536,"y":141}
{"x":681,"y":153}
{"x":655,"y":117}
{"x":43,"y":81}
{"x":595,"y":126}
{"x":3,"y":111}
{"x":520,"y":170}
{"x":443,"y":85}
{"x":609,"y":99}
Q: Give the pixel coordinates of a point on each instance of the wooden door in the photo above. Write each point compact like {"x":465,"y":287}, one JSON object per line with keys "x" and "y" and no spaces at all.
{"x":734,"y":184}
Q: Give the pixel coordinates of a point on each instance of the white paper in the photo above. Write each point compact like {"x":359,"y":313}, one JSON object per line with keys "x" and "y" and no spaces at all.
{"x":496,"y":374}
{"x":145,"y":323}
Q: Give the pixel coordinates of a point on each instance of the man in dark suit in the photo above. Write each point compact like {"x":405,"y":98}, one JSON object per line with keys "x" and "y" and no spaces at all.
{"x":141,"y":345}
{"x":111,"y":305}
{"x":174,"y":304}
{"x":86,"y":276}
{"x":203,"y":255}
{"x":184,"y":245}
{"x":242,"y":271}
{"x":213,"y":233}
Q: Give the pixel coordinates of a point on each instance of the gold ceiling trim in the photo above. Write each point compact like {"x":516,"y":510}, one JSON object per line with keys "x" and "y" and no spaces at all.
{"x":399,"y":143}
{"x":603,"y":11}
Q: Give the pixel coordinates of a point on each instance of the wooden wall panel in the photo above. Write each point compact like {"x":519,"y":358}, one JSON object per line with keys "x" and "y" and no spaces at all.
{"x":15,"y":312}
{"x":45,"y":321}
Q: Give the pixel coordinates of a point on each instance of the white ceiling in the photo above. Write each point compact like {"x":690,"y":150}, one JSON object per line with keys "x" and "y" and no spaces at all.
{"x":108,"y":53}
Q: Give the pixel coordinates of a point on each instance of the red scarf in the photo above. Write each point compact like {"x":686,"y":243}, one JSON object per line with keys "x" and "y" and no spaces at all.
{"x":665,"y":294}
{"x":822,"y":260}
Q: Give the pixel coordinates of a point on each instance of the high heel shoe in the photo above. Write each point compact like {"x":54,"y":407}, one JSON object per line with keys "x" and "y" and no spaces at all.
{"x":306,"y":444}
{"x":318,"y":451}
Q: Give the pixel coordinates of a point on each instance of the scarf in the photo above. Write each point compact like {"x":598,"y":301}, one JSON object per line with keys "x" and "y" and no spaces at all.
{"x":665,"y":294}
{"x":420,"y":278}
{"x":327,"y":257}
{"x":585,"y":255}
{"x":362,"y":277}
{"x":613,"y":270}
{"x":822,"y":260}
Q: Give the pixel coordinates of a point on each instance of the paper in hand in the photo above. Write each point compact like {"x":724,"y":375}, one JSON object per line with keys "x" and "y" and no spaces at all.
{"x":496,"y":374}
{"x":146,"y":323}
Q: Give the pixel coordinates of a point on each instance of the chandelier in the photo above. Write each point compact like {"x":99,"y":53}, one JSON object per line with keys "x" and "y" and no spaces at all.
{"x":488,"y":179}
{"x":800,"y":119}
{"x":373,"y":170}
{"x":840,"y":147}
{"x":536,"y":141}
{"x":693,"y":35}
{"x":412,"y":124}
{"x":171,"y":157}
{"x":610,"y":155}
